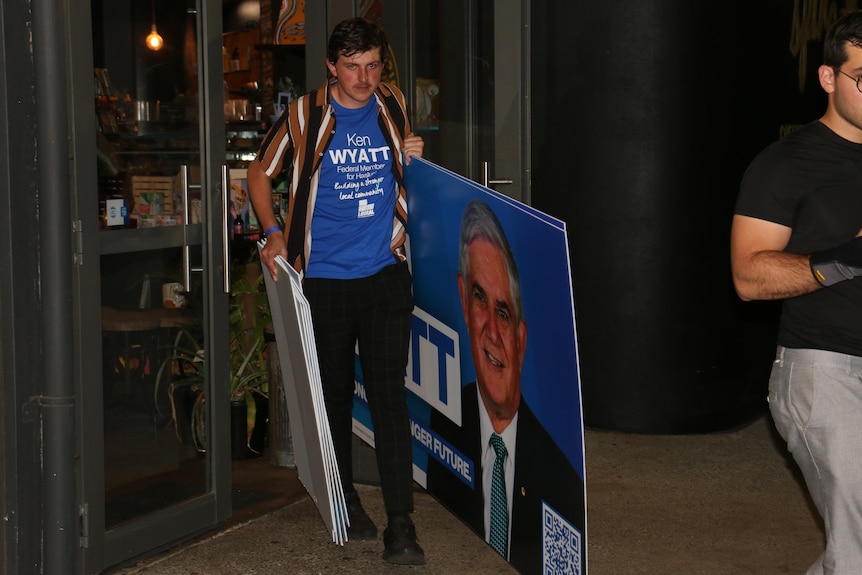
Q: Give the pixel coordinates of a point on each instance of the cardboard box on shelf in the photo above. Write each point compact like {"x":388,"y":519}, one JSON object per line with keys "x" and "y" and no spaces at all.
{"x":152,"y":195}
{"x":169,"y":220}
{"x":146,"y":221}
{"x":157,"y":220}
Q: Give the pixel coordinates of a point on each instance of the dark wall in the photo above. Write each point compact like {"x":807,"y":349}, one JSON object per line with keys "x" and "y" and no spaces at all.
{"x":645,"y":115}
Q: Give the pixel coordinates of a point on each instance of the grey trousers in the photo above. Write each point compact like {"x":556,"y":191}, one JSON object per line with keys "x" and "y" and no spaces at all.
{"x":815,"y":398}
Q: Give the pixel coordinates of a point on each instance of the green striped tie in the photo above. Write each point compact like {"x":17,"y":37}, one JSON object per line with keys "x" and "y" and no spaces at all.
{"x":499,"y":538}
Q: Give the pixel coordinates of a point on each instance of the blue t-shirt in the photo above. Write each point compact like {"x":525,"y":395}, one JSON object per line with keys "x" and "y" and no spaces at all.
{"x":351,"y":226}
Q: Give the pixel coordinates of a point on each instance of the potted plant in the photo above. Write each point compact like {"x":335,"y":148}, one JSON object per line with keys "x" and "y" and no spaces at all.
{"x":249,"y":379}
{"x":181,"y":374}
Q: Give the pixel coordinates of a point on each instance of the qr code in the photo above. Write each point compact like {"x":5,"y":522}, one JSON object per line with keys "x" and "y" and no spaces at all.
{"x":561,"y":544}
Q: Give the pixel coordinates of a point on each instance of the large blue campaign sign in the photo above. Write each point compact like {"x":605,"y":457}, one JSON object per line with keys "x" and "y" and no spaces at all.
{"x":482,"y":364}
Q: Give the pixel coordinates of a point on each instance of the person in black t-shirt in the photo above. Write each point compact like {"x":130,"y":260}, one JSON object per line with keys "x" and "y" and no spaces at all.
{"x":797,"y":236}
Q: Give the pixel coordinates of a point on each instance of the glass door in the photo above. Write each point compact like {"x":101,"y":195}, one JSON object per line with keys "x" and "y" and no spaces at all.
{"x":149,"y":145}
{"x":471,"y":88}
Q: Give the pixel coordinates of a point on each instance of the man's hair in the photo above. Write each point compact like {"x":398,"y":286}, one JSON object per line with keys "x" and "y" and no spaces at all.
{"x":480,"y":222}
{"x":848,"y":28}
{"x":355,"y":36}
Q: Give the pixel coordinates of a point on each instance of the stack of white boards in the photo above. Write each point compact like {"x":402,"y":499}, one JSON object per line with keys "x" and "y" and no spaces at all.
{"x":303,"y":392}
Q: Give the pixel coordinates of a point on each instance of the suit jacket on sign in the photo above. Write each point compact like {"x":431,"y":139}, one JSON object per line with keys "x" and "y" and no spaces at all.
{"x":542,"y":472}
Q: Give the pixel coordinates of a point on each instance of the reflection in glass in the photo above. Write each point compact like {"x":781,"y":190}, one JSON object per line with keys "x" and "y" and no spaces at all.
{"x":454,"y":103}
{"x":147,"y":130}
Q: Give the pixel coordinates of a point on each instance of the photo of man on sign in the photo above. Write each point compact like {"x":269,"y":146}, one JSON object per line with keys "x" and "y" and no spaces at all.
{"x":521,"y":479}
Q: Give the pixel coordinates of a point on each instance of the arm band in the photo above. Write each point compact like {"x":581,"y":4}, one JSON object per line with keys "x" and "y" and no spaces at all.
{"x":271,"y":230}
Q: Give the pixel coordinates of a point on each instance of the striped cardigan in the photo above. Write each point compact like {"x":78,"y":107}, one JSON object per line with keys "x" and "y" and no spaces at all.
{"x":301,"y":135}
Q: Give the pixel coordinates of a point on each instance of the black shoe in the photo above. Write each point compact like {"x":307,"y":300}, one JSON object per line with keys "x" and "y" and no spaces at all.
{"x":361,"y":527}
{"x":401,"y":547}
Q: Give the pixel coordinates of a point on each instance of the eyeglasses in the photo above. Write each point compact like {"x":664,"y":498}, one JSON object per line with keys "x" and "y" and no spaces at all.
{"x":858,"y":85}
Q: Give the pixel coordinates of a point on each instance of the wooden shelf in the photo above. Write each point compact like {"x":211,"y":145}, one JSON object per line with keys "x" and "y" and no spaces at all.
{"x":243,"y":43}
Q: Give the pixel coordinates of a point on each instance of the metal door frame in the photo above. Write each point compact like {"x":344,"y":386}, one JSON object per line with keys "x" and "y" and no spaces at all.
{"x":100,"y":548}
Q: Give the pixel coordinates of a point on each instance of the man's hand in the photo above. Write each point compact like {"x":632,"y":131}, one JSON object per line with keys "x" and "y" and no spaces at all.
{"x":413,"y":146}
{"x":837,"y":264}
{"x":275,"y":246}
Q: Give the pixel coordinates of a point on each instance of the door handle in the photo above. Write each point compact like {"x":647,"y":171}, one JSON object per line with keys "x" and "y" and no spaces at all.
{"x":187,"y":266}
{"x":486,"y":168}
{"x":225,"y":233}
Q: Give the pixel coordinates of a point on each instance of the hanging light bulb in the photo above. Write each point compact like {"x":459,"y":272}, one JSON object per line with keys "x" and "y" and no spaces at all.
{"x":154,"y":40}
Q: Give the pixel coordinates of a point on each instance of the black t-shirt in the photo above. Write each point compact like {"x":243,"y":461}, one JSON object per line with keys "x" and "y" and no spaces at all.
{"x":811,"y":181}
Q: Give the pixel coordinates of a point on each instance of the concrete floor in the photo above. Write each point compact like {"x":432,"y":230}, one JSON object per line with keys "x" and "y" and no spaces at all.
{"x":719,"y":504}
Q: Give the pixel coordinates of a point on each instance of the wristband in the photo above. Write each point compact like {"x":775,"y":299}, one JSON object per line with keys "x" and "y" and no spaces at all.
{"x":837,"y":264}
{"x":271,"y":230}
